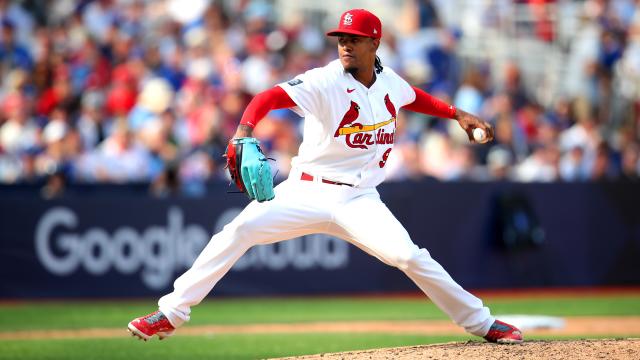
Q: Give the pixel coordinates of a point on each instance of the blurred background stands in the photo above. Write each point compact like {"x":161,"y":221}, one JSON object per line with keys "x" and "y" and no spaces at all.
{"x":135,"y":91}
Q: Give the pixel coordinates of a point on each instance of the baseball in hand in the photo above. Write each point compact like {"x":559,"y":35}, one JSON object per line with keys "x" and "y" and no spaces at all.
{"x":479,"y":135}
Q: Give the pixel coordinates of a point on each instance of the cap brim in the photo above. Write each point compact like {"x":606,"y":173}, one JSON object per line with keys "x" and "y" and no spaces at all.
{"x":338,"y":32}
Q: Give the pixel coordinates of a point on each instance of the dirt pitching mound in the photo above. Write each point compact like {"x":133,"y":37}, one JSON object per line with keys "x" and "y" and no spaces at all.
{"x":536,"y":349}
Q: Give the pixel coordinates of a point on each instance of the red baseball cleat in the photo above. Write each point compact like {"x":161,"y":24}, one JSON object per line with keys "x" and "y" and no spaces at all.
{"x":503,"y":333}
{"x":153,"y":324}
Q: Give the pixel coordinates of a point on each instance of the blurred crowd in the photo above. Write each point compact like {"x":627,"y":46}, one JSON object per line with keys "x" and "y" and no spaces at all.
{"x":121,"y":91}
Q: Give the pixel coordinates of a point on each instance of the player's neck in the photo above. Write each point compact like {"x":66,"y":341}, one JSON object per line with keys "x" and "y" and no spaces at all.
{"x":366,"y":76}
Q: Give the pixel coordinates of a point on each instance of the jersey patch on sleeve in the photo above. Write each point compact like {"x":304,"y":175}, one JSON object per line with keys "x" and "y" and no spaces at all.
{"x":294,"y":82}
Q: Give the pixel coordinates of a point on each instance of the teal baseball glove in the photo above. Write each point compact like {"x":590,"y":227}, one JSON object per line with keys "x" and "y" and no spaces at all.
{"x":249,"y":169}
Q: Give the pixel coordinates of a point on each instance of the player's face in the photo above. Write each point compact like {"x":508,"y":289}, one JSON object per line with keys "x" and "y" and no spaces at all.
{"x":357,"y":52}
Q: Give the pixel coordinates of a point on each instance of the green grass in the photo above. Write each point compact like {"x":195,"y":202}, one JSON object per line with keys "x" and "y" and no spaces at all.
{"x":214,"y":347}
{"x":116,"y":314}
{"x":569,"y":306}
{"x":75,"y":315}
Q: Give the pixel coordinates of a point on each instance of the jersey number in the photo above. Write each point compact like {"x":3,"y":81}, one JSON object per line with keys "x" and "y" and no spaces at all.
{"x":385,"y":156}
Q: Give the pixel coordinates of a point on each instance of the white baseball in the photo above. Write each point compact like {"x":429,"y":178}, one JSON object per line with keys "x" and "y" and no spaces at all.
{"x":479,"y":136}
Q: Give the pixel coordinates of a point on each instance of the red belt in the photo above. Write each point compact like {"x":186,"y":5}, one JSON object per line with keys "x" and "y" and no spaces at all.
{"x":309,"y":177}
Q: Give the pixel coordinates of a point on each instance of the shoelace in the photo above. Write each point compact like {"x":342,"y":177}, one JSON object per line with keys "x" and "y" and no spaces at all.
{"x":500,"y":327}
{"x":154,"y":318}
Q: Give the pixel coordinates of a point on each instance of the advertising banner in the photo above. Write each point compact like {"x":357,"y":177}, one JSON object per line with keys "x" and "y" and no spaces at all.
{"x":115,"y":243}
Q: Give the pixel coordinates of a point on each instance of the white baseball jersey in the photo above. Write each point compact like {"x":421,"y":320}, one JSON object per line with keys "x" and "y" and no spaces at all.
{"x":349,"y":129}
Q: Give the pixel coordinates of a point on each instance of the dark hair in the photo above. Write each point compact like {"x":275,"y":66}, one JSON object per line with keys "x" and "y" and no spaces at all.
{"x":378,"y":65}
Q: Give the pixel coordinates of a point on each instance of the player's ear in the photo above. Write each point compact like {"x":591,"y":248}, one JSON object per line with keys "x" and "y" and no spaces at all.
{"x":376,"y":43}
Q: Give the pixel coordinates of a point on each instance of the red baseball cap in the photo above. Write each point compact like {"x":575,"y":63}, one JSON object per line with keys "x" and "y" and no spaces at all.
{"x":358,"y":22}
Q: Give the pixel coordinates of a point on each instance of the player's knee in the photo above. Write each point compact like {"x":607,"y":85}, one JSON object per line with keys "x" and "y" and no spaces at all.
{"x":410,"y":258}
{"x":403,"y":259}
{"x":241,"y":231}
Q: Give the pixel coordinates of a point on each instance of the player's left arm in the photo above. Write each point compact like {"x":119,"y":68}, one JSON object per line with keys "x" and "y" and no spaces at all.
{"x":246,"y":162}
{"x":259,"y":106}
{"x":430,"y":105}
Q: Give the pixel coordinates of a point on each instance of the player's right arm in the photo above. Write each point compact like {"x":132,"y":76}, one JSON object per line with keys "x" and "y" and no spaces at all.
{"x":259,"y":106}
{"x":430,"y":105}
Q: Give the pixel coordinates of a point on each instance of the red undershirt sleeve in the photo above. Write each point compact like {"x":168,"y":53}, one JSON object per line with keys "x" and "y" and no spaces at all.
{"x":261,"y":104}
{"x":430,"y":105}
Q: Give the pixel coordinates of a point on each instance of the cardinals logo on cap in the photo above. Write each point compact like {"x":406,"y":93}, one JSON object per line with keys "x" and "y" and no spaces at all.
{"x":348,"y":19}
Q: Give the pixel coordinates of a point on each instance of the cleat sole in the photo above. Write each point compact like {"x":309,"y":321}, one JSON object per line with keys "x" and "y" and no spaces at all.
{"x":135,"y":332}
{"x":509,"y":341}
{"x":165,"y":334}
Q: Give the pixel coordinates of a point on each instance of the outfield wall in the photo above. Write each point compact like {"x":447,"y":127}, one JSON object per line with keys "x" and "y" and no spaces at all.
{"x":114,"y":241}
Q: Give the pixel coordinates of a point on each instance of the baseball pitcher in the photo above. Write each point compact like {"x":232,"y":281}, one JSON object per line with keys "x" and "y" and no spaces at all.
{"x":350,"y":108}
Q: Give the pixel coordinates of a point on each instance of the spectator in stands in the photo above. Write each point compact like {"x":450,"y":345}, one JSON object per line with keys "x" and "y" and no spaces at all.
{"x":59,"y":94}
{"x":119,"y":159}
{"x":630,"y":169}
{"x":470,"y":95}
{"x":61,"y":147}
{"x":572,"y":166}
{"x":427,"y":14}
{"x":12,"y":53}
{"x":445,"y":63}
{"x":540,"y":166}
{"x":93,"y":125}
{"x":121,"y":97}
{"x":22,"y":21}
{"x":19,"y":132}
{"x":601,"y":169}
{"x":99,"y":18}
{"x":499,"y":163}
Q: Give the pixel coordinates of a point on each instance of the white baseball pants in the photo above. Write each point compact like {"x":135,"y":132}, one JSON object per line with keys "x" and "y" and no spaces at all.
{"x":307,"y":207}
